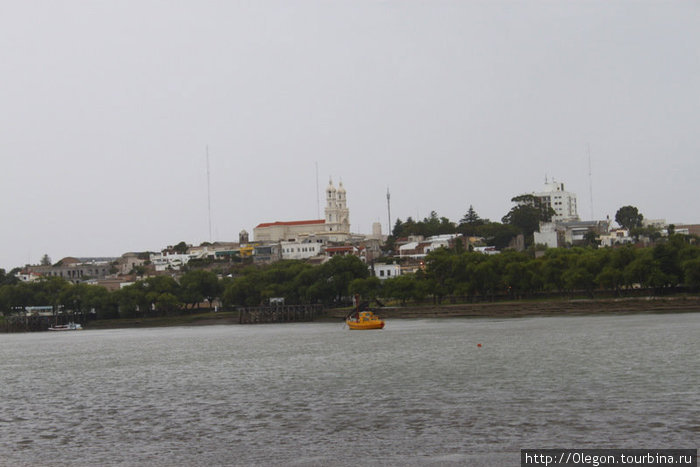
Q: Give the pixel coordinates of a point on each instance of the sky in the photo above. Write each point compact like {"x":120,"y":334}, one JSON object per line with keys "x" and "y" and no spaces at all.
{"x":109,"y":108}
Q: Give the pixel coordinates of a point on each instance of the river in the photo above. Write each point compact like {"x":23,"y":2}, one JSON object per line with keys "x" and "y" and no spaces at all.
{"x":419,"y":392}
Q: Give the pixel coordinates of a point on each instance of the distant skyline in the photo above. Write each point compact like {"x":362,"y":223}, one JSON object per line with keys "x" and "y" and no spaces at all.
{"x":108,"y":109}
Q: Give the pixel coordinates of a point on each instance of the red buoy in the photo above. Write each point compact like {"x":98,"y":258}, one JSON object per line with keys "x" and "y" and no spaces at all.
{"x":478,"y":345}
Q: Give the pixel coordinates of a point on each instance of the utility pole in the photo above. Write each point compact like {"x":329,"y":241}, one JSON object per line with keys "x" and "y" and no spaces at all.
{"x":388,"y":207}
{"x":208,"y":193}
{"x":590,"y":179}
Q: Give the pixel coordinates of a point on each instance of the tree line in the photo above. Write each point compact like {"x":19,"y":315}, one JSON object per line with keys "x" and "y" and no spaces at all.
{"x":296,"y":281}
{"x":448,"y":273}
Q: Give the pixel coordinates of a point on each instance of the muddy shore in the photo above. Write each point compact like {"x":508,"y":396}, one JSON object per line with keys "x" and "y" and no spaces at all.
{"x":482,"y":310}
{"x":536,"y":308}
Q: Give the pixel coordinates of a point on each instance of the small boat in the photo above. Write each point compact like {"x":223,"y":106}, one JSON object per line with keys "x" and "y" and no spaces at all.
{"x":66,"y":327}
{"x":365,"y":320}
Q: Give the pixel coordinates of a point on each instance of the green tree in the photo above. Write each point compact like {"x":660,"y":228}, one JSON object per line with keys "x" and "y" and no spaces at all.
{"x":243,"y":291}
{"x":691,"y":273}
{"x":497,"y":234}
{"x":367,"y":288}
{"x":159,"y":292}
{"x":166,"y":303}
{"x":45,"y":260}
{"x":8,"y":278}
{"x":469,"y":224}
{"x":526,"y":218}
{"x":132,"y":300}
{"x":403,"y":288}
{"x":181,"y":248}
{"x":334,"y":277}
{"x":199,"y":285}
{"x":628,"y":217}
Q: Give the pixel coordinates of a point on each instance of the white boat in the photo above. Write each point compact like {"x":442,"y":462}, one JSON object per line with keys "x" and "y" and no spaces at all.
{"x":66,"y":327}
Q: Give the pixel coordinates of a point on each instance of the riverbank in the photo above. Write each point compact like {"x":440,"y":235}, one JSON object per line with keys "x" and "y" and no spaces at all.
{"x":525,"y":308}
{"x":512,"y":309}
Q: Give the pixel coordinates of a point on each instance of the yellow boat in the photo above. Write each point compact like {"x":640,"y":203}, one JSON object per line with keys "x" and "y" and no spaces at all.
{"x":365,"y":320}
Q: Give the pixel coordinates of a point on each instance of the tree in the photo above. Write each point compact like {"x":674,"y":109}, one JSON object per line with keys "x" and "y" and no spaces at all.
{"x":367,"y":288}
{"x":628,"y":217}
{"x":8,"y":278}
{"x":691,"y":271}
{"x":402,"y":287}
{"x":545,"y":211}
{"x":45,"y":260}
{"x":527,"y":214}
{"x":335,"y":276}
{"x":590,"y":238}
{"x":471,"y":217}
{"x":470,"y":222}
{"x":181,"y":248}
{"x":198,"y":285}
{"x":497,"y":234}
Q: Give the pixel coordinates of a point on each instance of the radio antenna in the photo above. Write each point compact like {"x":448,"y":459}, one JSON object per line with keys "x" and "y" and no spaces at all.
{"x":208,"y":193}
{"x":388,"y":207}
{"x":590,"y":179}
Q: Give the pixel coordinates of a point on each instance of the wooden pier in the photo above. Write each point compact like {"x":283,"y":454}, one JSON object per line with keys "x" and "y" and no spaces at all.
{"x":278,"y":314}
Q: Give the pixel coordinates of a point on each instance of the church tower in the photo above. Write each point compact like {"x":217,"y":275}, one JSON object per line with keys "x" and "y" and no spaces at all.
{"x":343,"y":211}
{"x":337,"y":212}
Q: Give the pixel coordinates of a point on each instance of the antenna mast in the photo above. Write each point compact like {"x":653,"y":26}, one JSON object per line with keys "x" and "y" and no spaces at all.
{"x":208,"y":192}
{"x":590,"y":178}
{"x":388,"y":207}
{"x":318,"y":200}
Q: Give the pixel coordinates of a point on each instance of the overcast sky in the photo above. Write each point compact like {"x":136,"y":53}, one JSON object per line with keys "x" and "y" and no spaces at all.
{"x":107,"y":108}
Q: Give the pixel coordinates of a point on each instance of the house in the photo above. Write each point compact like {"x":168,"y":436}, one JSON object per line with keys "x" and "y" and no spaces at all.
{"x":569,"y":233}
{"x":76,"y":270}
{"x":169,"y":259}
{"x":616,"y":237}
{"x":420,"y":248}
{"x":266,"y":254}
{"x":28,"y":276}
{"x":128,"y":261}
{"x":305,"y":248}
{"x":342,"y":250}
{"x":486,"y":250}
{"x":385,"y":271}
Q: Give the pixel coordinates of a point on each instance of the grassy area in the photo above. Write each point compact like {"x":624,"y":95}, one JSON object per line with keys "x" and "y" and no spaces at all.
{"x":192,"y":319}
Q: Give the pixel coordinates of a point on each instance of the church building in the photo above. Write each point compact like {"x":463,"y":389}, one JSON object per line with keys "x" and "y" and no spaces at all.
{"x":334,"y":228}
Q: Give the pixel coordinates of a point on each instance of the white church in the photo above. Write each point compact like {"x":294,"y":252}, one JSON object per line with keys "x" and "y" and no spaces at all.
{"x":334,"y":228}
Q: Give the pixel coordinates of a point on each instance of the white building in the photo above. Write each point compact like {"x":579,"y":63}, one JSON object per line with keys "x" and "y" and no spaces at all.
{"x":559,"y":234}
{"x":616,"y":237}
{"x":165,"y":260}
{"x":562,"y":202}
{"x":386,"y":271}
{"x":487,"y":250}
{"x":303,"y":249}
{"x":420,"y":248}
{"x":28,"y":276}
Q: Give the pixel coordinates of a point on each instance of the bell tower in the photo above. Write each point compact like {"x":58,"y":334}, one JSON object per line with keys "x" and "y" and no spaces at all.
{"x":337,"y":213}
{"x":331,"y":204}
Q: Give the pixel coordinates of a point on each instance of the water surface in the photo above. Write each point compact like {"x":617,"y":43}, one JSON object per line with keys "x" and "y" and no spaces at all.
{"x":419,"y":392}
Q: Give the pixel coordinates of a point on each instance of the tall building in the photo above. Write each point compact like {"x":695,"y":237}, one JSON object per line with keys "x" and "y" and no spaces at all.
{"x":563,"y":202}
{"x":337,"y":213}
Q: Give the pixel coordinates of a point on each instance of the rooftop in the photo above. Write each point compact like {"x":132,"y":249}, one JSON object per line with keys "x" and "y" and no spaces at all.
{"x":290,"y":223}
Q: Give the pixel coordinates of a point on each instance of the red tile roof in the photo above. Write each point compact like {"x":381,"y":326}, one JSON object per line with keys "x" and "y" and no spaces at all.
{"x":339,"y":248}
{"x":290,"y":223}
